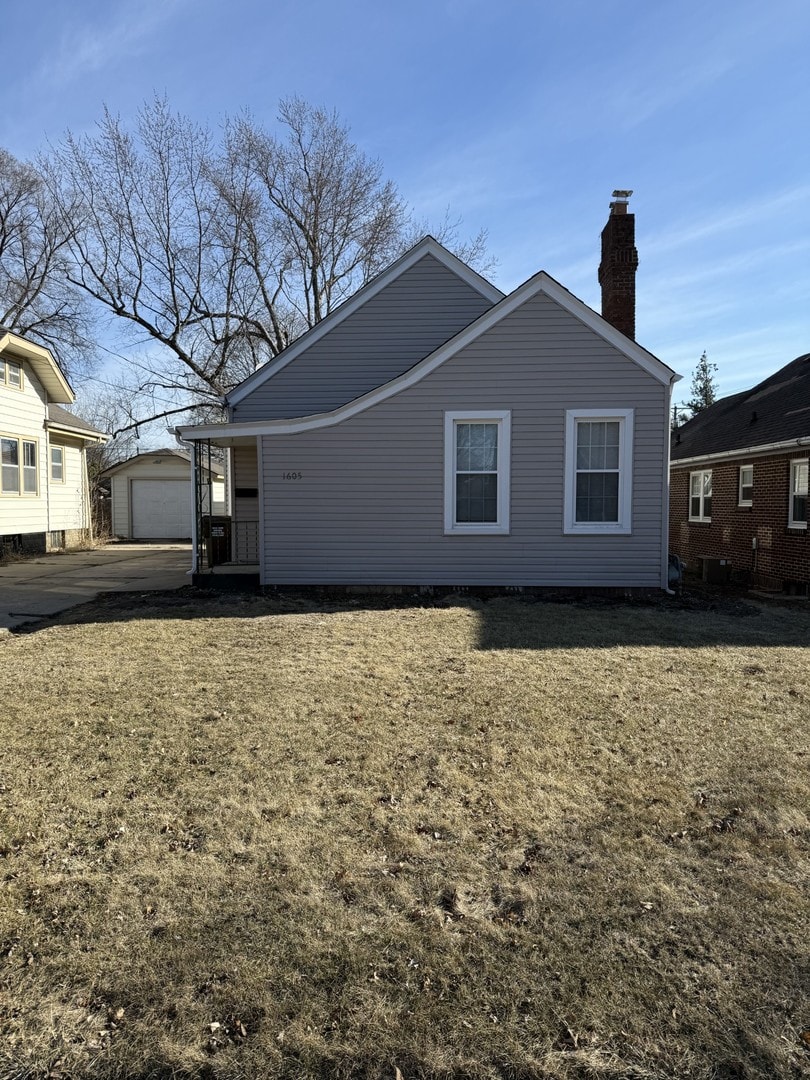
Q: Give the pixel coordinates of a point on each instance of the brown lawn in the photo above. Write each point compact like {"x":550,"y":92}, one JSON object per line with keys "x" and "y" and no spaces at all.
{"x":270,"y":838}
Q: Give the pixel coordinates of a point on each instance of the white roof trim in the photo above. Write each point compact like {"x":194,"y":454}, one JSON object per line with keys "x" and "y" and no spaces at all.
{"x":540,"y":283}
{"x":744,"y":451}
{"x":426,"y":246}
{"x":45,"y":367}
{"x":80,"y":433}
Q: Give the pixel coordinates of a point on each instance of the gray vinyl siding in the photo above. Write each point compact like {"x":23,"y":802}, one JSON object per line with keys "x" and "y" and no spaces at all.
{"x":420,"y":310}
{"x":369,"y":506}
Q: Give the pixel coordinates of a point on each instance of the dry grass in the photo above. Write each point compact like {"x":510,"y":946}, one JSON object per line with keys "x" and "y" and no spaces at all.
{"x":249,"y":838}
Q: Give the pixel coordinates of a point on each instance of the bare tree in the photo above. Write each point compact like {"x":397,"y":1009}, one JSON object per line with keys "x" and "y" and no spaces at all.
{"x":147,"y":244}
{"x":220,"y":253}
{"x":37,"y":300}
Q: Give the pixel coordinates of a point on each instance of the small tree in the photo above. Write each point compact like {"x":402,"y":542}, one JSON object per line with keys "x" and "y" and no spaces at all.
{"x":704,"y":388}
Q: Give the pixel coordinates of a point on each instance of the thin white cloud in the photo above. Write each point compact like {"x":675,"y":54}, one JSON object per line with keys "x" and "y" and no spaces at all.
{"x":758,"y":210}
{"x":92,"y":47}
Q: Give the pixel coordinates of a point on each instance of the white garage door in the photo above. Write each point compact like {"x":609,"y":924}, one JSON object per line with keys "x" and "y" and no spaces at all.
{"x":161,"y":509}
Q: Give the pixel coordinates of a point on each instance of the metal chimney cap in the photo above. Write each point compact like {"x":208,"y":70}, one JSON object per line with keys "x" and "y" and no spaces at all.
{"x":623,"y":194}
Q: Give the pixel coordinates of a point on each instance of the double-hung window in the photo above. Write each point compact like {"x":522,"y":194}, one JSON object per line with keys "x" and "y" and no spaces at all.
{"x":18,"y":467}
{"x":797,"y":516}
{"x":700,"y":495}
{"x":746,"y":491}
{"x":11,"y":374}
{"x":476,"y":472}
{"x":598,"y":471}
{"x":58,"y":464}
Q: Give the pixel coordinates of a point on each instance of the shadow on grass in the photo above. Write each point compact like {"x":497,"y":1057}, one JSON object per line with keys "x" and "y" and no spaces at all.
{"x":691,"y":620}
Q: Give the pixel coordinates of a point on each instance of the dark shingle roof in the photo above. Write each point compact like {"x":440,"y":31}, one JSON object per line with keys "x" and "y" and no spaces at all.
{"x":60,"y":416}
{"x":774,"y":411}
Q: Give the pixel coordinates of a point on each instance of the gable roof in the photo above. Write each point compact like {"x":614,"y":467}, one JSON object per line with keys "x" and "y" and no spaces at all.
{"x":426,"y":246}
{"x":184,"y":455}
{"x":541,"y":283}
{"x":61,"y":420}
{"x":775,"y":411}
{"x":42,"y":362}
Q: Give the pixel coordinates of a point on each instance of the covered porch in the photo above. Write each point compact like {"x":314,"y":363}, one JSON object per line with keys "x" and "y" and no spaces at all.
{"x":226,"y":547}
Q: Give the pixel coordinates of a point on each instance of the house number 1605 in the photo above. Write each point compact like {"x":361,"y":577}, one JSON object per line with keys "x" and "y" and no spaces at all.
{"x":292,"y":476}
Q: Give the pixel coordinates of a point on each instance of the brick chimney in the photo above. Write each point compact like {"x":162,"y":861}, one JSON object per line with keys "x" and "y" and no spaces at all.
{"x":617,"y":270}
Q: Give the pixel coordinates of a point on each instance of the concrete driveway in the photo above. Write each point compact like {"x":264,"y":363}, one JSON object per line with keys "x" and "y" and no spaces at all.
{"x":48,"y":584}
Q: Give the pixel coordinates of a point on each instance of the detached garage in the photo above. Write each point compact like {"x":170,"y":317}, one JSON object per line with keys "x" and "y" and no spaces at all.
{"x":151,"y":495}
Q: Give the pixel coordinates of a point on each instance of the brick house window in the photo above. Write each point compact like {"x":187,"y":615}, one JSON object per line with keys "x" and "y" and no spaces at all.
{"x":797,"y":515}
{"x":746,"y":493}
{"x":700,"y":495}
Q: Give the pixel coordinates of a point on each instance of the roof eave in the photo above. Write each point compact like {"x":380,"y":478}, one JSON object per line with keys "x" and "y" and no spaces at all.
{"x":78,"y":433}
{"x":426,"y":246}
{"x":45,"y":366}
{"x":223,"y":434}
{"x":785,"y":445}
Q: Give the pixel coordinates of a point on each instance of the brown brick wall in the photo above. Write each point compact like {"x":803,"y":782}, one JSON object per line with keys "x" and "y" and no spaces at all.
{"x":782,"y":555}
{"x":617,"y":272}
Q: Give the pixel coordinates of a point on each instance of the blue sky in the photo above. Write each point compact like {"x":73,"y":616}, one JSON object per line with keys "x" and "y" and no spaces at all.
{"x":521,"y":117}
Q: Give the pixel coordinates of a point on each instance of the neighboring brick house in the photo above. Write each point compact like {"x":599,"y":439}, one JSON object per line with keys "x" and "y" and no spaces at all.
{"x":739,"y":483}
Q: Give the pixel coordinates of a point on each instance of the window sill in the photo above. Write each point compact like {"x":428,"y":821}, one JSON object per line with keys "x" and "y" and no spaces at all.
{"x":477,"y":530}
{"x":699,"y":521}
{"x":597,"y":530}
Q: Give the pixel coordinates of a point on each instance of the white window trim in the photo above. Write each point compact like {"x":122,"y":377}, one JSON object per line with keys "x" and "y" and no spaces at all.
{"x":740,"y":500}
{"x":503,"y":418}
{"x":793,"y":474}
{"x":21,"y":493}
{"x":624,"y":526}
{"x":61,"y":449}
{"x":702,"y":516}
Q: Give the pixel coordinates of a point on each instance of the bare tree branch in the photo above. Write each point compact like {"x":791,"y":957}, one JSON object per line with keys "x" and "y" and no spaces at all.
{"x":223,"y":251}
{"x":37,"y":299}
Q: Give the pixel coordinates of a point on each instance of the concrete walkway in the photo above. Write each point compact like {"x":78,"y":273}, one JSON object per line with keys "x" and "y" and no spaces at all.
{"x":48,"y":584}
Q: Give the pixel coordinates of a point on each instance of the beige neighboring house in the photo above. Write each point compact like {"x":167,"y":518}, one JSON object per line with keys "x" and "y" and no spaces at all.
{"x":44,"y":490}
{"x":151,"y":495}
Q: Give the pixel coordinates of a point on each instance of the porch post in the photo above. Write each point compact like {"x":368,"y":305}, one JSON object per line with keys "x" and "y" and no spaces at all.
{"x":194,"y":524}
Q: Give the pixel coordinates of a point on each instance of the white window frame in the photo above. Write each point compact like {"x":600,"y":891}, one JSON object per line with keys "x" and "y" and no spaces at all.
{"x":624,"y":526}
{"x":794,"y":491}
{"x":740,"y":500}
{"x":21,"y":468}
{"x":503,"y":418}
{"x":701,"y":516}
{"x":55,"y":448}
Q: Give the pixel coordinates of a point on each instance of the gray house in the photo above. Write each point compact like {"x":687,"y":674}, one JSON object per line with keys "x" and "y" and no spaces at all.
{"x":433,"y":431}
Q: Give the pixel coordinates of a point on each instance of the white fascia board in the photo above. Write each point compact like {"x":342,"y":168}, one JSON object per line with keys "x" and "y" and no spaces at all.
{"x":426,"y":246}
{"x":45,"y":367}
{"x":540,"y":283}
{"x":744,"y":451}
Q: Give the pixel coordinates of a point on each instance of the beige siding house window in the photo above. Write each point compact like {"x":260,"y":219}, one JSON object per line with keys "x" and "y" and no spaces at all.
{"x":11,"y":374}
{"x":18,"y":467}
{"x":599,"y":471}
{"x":476,"y":472}
{"x":58,"y":464}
